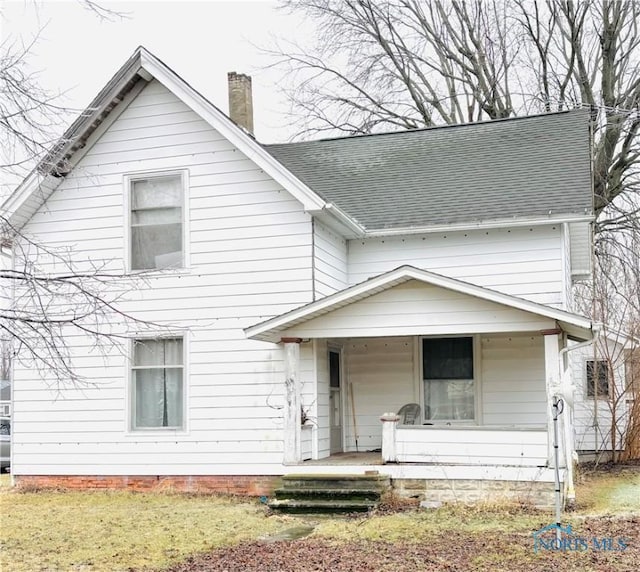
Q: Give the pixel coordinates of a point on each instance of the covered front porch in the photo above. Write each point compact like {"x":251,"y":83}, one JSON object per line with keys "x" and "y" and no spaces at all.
{"x":497,"y":415}
{"x":482,"y":368}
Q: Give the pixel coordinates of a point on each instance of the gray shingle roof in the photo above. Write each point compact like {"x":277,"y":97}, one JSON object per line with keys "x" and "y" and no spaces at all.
{"x":515,"y":168}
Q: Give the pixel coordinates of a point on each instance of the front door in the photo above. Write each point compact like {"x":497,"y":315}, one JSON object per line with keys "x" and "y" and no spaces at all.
{"x":335,"y":401}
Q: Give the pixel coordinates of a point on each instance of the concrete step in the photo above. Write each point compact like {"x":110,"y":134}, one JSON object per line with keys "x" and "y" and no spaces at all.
{"x":367,"y":482}
{"x":328,"y":493}
{"x":321,"y":506}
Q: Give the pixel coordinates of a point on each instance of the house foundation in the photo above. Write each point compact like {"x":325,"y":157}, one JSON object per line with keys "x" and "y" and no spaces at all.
{"x":536,"y":493}
{"x":248,"y":485}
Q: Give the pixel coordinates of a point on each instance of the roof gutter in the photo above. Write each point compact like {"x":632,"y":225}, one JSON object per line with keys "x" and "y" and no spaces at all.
{"x":481,"y":225}
{"x":344,"y":219}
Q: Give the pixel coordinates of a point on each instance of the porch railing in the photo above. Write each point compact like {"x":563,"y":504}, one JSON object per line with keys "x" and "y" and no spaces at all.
{"x":478,"y":445}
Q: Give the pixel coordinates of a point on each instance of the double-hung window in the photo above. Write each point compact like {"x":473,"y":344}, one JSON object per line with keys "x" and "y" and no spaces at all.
{"x":157,"y":384}
{"x":597,"y":378}
{"x":448,"y":378}
{"x":156,"y":236}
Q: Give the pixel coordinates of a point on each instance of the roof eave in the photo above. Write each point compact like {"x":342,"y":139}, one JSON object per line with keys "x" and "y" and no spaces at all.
{"x":480,"y":225}
{"x":145,"y":65}
{"x":50,"y":169}
{"x":108,"y":97}
{"x":232,"y":132}
{"x":339,"y":221}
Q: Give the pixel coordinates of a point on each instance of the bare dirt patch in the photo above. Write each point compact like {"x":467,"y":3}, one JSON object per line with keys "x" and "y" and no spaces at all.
{"x":450,"y":551}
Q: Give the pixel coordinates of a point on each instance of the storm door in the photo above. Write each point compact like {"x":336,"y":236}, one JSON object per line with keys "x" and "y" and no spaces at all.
{"x":335,"y":401}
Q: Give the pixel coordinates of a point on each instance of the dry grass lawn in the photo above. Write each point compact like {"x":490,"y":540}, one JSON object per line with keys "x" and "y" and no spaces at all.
{"x":611,"y":491}
{"x":113,"y":531}
{"x":120,"y":531}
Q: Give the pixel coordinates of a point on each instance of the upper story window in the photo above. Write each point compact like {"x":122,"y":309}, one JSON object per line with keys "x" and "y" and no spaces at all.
{"x":597,"y":370}
{"x":156,"y":237}
{"x":449,"y":380}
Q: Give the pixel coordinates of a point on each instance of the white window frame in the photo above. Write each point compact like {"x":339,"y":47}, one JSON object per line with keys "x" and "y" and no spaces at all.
{"x":130,"y":399}
{"x":601,"y":396}
{"x":477,"y":380}
{"x":128,"y":180}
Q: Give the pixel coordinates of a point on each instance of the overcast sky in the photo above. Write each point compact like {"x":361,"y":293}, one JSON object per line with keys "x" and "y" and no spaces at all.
{"x":200,"y":40}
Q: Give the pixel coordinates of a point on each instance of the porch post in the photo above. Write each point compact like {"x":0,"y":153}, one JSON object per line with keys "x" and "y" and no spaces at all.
{"x":552,"y":345}
{"x":292,"y":413}
{"x":389,"y":426}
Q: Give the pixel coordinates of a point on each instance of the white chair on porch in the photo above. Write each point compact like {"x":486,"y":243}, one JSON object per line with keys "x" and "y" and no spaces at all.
{"x":409,"y":414}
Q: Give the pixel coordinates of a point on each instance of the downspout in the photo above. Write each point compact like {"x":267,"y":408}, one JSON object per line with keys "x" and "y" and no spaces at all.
{"x":13,"y":353}
{"x":313,"y":259}
{"x":567,"y":427}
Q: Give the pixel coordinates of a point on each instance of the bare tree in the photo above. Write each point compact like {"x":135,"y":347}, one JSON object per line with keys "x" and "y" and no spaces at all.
{"x":405,"y":64}
{"x":51,"y":297}
{"x":632,"y":435}
{"x":31,"y":117}
{"x":613,"y":297}
{"x":46,"y":295}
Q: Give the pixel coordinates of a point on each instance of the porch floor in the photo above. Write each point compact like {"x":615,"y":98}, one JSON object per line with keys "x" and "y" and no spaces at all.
{"x":362,"y":463}
{"x":364,"y":458}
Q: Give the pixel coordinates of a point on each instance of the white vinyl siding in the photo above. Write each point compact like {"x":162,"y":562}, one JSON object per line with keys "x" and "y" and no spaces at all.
{"x":416,"y":308}
{"x":472,"y":446}
{"x":524,"y":262}
{"x":382,"y":375}
{"x":581,"y":240}
{"x":513,"y":380}
{"x":250,"y":259}
{"x":330,"y":260}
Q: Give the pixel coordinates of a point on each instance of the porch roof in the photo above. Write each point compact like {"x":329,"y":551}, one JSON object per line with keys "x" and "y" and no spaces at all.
{"x":539,"y":316}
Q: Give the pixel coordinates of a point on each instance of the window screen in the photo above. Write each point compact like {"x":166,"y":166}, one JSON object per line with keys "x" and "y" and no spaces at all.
{"x":447,"y":358}
{"x":597,"y":370}
{"x":449,"y":387}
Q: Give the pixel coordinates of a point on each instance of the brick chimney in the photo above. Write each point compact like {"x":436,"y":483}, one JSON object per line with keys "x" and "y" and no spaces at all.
{"x":240,"y":100}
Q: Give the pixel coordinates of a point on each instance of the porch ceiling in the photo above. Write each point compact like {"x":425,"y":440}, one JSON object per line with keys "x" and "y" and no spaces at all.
{"x":410,"y":301}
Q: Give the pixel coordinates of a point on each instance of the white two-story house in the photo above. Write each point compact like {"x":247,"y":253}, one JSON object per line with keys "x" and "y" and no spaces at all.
{"x":303,"y":293}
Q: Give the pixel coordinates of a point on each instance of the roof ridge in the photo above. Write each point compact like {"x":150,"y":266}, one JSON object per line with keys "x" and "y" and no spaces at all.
{"x":433,"y":127}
